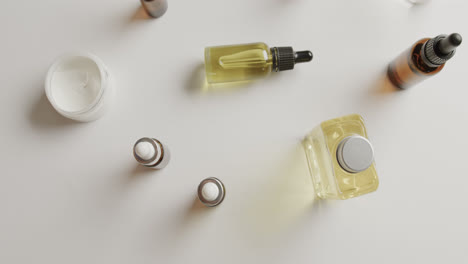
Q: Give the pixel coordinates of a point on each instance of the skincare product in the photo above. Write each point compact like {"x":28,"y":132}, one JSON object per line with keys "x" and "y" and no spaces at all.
{"x":151,"y":153}
{"x":155,"y":8}
{"x":78,"y":86}
{"x":341,"y":158}
{"x":424,"y":59}
{"x":211,"y":191}
{"x":249,"y":61}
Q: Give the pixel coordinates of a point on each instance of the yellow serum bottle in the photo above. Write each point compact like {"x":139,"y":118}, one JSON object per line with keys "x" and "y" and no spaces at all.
{"x":252,"y":61}
{"x":341,"y":158}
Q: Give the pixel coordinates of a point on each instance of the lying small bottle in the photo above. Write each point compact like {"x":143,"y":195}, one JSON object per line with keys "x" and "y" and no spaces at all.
{"x":151,"y":153}
{"x":341,"y":158}
{"x":249,"y":61}
{"x":424,"y":59}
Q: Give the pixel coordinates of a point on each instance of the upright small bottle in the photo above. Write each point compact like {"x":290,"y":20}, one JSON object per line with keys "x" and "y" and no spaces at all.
{"x":151,"y":153}
{"x":154,"y":8}
{"x":341,"y":158}
{"x":249,"y":61}
{"x":211,"y":192}
{"x":424,"y":59}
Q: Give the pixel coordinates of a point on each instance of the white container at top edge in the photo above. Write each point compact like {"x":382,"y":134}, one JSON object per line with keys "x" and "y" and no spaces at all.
{"x":79,"y":86}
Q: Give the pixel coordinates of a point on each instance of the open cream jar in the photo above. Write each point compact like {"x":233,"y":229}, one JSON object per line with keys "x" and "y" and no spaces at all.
{"x":79,"y":87}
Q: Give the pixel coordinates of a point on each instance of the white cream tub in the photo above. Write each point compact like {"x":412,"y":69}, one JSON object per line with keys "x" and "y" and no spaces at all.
{"x":79,"y":87}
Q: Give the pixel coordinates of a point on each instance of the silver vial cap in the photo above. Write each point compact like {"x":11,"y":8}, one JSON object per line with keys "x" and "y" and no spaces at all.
{"x":150,"y":152}
{"x":355,"y":154}
{"x":155,"y":8}
{"x":220,"y":192}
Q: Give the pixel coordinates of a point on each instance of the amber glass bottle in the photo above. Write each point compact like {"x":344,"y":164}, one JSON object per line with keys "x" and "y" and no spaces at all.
{"x":424,"y":59}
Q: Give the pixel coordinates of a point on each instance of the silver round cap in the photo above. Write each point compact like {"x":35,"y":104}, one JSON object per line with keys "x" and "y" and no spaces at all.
{"x":355,"y":154}
{"x":221,"y":192}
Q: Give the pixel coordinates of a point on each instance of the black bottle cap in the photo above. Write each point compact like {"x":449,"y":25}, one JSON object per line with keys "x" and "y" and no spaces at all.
{"x":447,"y":45}
{"x":440,"y":49}
{"x":303,"y":56}
{"x":284,"y":58}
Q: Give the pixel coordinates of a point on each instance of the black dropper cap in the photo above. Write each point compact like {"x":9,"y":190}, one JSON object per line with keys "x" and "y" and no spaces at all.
{"x":446,"y":45}
{"x":440,"y":49}
{"x":284,"y":58}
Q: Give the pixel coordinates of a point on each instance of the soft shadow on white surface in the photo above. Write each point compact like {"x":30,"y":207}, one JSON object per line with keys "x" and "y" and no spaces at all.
{"x":378,"y":96}
{"x":417,"y":6}
{"x":383,"y":85}
{"x":190,"y":220}
{"x":196,"y":83}
{"x":196,"y":210}
{"x":196,"y":80}
{"x":141,"y":171}
{"x":229,"y":87}
{"x":44,"y":116}
{"x":283,"y":201}
{"x":194,"y":214}
{"x":139,"y":15}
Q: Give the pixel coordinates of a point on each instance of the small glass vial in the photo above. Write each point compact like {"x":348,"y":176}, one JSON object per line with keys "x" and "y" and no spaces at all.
{"x":341,"y":158}
{"x":211,"y":192}
{"x":151,"y":153}
{"x":424,"y":59}
{"x":154,"y":8}
{"x":249,"y":61}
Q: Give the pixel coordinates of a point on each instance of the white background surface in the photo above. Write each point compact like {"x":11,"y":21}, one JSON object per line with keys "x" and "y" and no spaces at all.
{"x":72,"y":192}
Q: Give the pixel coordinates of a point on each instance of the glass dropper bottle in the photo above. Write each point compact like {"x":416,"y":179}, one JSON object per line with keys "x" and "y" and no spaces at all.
{"x":424,"y":59}
{"x":245,"y":62}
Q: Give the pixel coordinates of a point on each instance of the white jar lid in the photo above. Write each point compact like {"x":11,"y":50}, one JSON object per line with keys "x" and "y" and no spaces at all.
{"x":355,"y":154}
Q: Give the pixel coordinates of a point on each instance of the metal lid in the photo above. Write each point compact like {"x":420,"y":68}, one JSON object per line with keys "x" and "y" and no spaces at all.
{"x":355,"y":154}
{"x":155,"y":8}
{"x":157,"y":154}
{"x":221,"y":192}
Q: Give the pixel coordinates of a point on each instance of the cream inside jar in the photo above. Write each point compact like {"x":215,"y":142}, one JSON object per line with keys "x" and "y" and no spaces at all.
{"x":78,"y":86}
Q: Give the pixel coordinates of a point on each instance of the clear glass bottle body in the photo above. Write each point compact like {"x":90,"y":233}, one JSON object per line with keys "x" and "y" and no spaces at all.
{"x":330,"y":180}
{"x":237,"y":62}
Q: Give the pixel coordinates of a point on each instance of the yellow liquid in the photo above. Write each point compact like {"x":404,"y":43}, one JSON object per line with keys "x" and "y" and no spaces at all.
{"x":330,"y":179}
{"x":237,"y":62}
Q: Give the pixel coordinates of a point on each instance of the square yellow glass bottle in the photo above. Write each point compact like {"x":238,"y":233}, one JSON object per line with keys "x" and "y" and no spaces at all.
{"x":341,"y":158}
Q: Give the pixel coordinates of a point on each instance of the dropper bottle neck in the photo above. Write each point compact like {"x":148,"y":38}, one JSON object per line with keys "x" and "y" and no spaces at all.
{"x":284,"y":58}
{"x":437,"y":51}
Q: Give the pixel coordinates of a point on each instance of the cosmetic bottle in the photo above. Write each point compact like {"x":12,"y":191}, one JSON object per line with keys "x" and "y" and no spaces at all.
{"x":341,"y":158}
{"x":151,"y":153}
{"x":211,"y":192}
{"x":249,"y":61}
{"x":154,"y":8}
{"x":424,"y":59}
